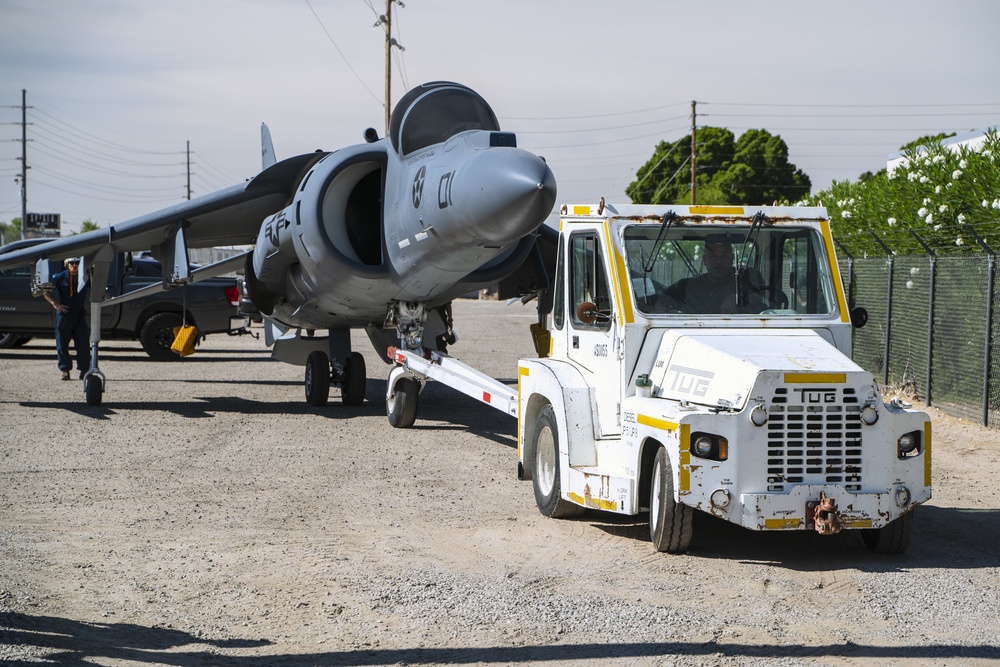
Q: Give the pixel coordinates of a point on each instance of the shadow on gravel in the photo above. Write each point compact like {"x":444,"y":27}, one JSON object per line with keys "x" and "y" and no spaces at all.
{"x":72,"y":642}
{"x":943,"y":537}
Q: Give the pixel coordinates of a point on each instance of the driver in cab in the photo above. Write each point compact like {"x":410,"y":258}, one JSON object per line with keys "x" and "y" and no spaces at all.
{"x":718,"y":290}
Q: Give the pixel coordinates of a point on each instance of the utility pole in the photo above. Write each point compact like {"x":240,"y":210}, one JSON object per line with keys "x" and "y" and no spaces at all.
{"x":385,"y":20}
{"x":694,"y":143}
{"x":189,"y":169}
{"x":24,"y":163}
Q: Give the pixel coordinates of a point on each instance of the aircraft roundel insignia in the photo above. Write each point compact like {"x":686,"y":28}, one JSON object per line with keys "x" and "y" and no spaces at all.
{"x":418,"y":186}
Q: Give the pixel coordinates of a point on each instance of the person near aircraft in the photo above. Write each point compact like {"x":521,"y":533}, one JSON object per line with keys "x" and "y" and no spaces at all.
{"x":70,"y":304}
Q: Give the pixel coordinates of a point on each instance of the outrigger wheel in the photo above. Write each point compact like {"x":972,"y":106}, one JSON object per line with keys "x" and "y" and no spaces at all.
{"x":93,"y":388}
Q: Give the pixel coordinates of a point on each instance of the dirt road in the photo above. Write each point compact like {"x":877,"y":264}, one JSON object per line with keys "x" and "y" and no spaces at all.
{"x":204,"y":515}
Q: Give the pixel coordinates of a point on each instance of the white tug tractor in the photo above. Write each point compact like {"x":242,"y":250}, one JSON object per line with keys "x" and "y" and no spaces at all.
{"x":697,"y":358}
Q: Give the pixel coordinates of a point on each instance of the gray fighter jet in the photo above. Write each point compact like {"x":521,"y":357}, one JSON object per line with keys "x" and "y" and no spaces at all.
{"x":380,"y":235}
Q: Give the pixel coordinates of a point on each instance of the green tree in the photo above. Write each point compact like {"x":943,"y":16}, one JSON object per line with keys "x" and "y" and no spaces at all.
{"x":751,"y":169}
{"x":88,"y":225}
{"x":946,"y":197}
{"x":10,"y":231}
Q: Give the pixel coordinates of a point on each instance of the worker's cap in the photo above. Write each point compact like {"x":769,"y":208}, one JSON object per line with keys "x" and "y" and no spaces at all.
{"x":71,"y":260}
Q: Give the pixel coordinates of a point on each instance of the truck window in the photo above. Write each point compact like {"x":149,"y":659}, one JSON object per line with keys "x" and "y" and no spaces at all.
{"x":699,"y":270}
{"x":559,"y":297}
{"x":588,"y":282}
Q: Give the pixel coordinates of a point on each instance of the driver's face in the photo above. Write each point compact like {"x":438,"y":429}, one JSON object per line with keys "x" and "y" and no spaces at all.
{"x":719,"y":261}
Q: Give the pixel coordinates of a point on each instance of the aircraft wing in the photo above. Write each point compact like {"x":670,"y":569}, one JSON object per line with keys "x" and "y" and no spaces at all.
{"x":231,"y":216}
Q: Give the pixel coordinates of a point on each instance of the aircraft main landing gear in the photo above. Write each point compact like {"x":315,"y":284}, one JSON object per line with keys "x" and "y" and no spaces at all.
{"x":349,"y":376}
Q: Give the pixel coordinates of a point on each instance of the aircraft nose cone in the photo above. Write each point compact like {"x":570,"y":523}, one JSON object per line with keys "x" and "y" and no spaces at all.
{"x":509,"y":193}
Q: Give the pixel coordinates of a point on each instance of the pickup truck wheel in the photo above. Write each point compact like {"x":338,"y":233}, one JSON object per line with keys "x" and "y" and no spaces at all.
{"x":671,"y":524}
{"x":94,"y":390}
{"x":545,"y":478}
{"x":893,"y":538}
{"x":317,"y":378}
{"x":157,"y":336}
{"x":401,"y":406}
{"x":352,"y":391}
{"x":8,"y":340}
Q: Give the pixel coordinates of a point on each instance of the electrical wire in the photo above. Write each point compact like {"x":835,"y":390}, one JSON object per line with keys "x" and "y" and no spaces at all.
{"x":343,"y":57}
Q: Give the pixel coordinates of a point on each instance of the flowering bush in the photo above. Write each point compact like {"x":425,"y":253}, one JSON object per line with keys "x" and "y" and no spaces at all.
{"x":939,"y":194}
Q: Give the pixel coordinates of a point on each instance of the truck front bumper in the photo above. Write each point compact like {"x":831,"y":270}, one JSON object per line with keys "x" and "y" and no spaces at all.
{"x":795,"y":509}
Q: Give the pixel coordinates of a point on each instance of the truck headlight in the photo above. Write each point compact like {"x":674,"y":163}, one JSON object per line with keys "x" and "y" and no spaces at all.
{"x":908,"y":444}
{"x":709,"y":446}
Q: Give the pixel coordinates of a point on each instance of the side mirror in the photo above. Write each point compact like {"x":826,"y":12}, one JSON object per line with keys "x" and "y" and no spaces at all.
{"x":859,"y":317}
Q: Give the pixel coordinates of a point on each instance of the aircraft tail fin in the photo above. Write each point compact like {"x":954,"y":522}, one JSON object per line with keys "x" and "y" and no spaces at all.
{"x":267,"y":156}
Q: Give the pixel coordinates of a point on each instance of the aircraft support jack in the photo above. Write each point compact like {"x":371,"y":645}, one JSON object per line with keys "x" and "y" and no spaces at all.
{"x":94,"y":380}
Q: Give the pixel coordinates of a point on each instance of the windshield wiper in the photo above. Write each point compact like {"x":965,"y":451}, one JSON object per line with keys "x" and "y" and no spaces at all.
{"x":668,"y":220}
{"x":742,"y":284}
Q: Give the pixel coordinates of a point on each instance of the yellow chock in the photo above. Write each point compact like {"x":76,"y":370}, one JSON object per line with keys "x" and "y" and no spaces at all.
{"x":542,"y":338}
{"x":184,"y":339}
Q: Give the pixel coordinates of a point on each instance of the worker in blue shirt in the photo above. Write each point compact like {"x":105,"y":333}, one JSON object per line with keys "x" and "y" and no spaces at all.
{"x":70,"y":303}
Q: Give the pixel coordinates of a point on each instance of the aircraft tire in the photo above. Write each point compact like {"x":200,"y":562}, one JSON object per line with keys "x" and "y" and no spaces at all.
{"x":893,"y":538}
{"x":353,"y":389}
{"x":671,"y":524}
{"x":317,"y":378}
{"x":401,"y":407}
{"x":545,"y":478}
{"x":94,"y":390}
{"x":157,"y":335}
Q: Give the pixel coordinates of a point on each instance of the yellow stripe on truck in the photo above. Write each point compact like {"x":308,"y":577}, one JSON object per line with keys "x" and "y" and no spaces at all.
{"x":838,"y":285}
{"x":815,"y":378}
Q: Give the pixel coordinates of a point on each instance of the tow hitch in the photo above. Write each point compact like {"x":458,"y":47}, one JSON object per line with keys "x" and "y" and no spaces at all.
{"x":823,"y":516}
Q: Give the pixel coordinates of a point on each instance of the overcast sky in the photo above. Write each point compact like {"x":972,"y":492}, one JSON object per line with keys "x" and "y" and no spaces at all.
{"x":117,"y":87}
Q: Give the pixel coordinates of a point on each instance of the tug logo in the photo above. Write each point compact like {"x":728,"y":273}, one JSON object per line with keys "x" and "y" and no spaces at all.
{"x":691,"y":381}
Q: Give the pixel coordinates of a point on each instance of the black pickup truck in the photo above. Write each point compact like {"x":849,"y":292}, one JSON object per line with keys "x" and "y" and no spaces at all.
{"x":211,"y":305}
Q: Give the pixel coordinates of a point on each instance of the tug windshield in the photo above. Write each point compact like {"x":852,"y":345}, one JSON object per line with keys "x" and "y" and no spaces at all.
{"x":715,"y":270}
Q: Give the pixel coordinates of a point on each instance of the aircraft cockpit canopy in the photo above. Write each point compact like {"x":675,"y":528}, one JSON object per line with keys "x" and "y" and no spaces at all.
{"x":434,"y":112}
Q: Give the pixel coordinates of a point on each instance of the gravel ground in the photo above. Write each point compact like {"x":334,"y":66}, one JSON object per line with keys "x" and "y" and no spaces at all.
{"x":204,"y":515}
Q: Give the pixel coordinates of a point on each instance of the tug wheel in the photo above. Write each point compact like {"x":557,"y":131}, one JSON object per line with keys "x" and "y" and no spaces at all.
{"x":671,"y":524}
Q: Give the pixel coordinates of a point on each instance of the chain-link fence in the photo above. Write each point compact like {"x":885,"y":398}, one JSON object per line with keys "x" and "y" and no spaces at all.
{"x":931,"y":330}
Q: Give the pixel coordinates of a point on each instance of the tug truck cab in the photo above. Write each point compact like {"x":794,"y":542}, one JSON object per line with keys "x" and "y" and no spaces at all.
{"x":698,"y":360}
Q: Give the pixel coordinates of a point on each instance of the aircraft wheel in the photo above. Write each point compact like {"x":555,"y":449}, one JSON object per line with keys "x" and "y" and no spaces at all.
{"x":94,"y":390}
{"x":355,"y":380}
{"x":317,"y":378}
{"x":671,"y":524}
{"x":401,"y":406}
{"x":893,"y":538}
{"x":545,"y":478}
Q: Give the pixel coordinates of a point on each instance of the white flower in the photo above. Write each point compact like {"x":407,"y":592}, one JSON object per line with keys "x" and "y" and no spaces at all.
{"x":942,"y":208}
{"x":851,"y":201}
{"x":924,"y":179}
{"x":937,"y":189}
{"x":914,"y":270}
{"x":891,"y":222}
{"x":961,"y":218}
{"x":936,"y":227}
{"x":986,"y":204}
{"x":909,"y":284}
{"x":845,"y":214}
{"x":956,"y":174}
{"x":929,"y":219}
{"x":938,"y":159}
{"x":927,"y":200}
{"x":912,"y":176}
{"x":963,"y":164}
{"x":892,"y":175}
{"x":959,"y":241}
{"x":922,"y":212}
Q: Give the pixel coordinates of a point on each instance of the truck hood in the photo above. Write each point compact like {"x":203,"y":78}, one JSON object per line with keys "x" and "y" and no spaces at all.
{"x":718,"y":367}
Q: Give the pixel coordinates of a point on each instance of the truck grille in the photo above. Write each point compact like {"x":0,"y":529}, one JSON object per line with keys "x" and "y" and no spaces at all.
{"x":814,"y":437}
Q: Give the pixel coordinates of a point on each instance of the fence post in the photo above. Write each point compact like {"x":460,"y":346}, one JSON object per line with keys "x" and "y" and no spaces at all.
{"x":932,"y":260}
{"x":888,"y":310}
{"x":990,"y":263}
